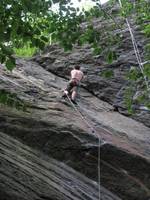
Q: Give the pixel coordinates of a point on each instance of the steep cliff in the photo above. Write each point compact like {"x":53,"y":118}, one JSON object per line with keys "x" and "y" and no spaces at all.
{"x":112,"y":89}
{"x":109,"y":89}
{"x":48,"y":152}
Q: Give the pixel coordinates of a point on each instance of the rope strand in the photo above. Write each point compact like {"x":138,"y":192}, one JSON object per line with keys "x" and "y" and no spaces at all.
{"x":99,"y":143}
{"x":136,"y":50}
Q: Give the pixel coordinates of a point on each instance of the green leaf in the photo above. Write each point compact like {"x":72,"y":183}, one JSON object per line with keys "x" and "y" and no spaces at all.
{"x":133,"y":74}
{"x":2,"y":58}
{"x":78,"y":9}
{"x":10,"y":99}
{"x":63,"y":8}
{"x":37,"y":31}
{"x":111,"y":56}
{"x":10,"y":63}
{"x":141,"y":98}
{"x":7,"y":50}
{"x":147,"y":70}
{"x":3,"y":97}
{"x":107,"y":74}
{"x":97,"y":50}
{"x":146,"y":30}
{"x":36,"y":42}
{"x":41,"y":45}
{"x":72,"y":9}
{"x":148,"y":104}
{"x":128,"y":99}
{"x":44,"y":38}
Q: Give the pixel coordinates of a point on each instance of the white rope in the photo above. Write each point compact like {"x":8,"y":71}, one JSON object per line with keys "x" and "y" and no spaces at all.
{"x":148,"y":61}
{"x":137,"y":53}
{"x":99,"y":172}
{"x":136,"y":50}
{"x":83,"y":118}
{"x":99,"y":143}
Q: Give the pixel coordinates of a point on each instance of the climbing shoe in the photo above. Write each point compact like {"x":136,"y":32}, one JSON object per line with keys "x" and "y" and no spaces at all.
{"x":65,"y":94}
{"x":73,"y":101}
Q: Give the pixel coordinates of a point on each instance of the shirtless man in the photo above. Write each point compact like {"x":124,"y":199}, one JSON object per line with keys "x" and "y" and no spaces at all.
{"x":76,"y":77}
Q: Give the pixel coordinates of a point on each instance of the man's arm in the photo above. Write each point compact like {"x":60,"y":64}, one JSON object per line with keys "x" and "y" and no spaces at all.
{"x":71,"y":73}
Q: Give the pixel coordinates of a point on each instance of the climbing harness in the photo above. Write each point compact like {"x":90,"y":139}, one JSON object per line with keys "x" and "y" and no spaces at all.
{"x":99,"y":142}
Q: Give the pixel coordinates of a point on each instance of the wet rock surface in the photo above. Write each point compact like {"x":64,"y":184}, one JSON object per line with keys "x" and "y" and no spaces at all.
{"x":49,"y":152}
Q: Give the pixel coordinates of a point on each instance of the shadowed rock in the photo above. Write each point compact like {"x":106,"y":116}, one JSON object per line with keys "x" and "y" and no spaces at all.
{"x":29,"y":175}
{"x":52,"y":129}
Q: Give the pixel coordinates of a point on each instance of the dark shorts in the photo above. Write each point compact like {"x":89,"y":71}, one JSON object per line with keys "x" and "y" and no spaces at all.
{"x":72,"y":86}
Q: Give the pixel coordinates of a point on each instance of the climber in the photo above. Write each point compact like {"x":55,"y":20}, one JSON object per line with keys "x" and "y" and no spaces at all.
{"x":72,"y":87}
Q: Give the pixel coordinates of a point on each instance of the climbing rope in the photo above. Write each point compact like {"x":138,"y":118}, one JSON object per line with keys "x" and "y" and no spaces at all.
{"x":81,"y":115}
{"x":135,"y":46}
{"x":137,"y":53}
{"x":99,"y":173}
{"x":99,"y":142}
{"x":136,"y":50}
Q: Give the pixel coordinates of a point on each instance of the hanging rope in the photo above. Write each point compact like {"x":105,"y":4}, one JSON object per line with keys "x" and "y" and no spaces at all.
{"x":135,"y":46}
{"x":136,"y":50}
{"x":99,"y":172}
{"x":99,"y":142}
{"x":82,"y":116}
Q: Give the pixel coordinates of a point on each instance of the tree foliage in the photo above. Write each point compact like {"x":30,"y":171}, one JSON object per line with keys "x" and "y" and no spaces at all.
{"x":11,"y":100}
{"x":36,"y":24}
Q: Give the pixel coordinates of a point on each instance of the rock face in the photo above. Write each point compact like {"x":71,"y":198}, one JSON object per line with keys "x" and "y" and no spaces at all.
{"x":110,"y":90}
{"x":49,"y":152}
{"x":31,"y":175}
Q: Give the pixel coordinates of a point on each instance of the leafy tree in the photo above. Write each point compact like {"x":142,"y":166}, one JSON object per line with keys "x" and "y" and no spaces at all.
{"x":34,"y":23}
{"x":11,"y":100}
{"x":20,"y":23}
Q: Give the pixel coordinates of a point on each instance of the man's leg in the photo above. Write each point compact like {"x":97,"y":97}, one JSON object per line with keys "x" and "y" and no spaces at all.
{"x":68,"y":89}
{"x":74,"y":94}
